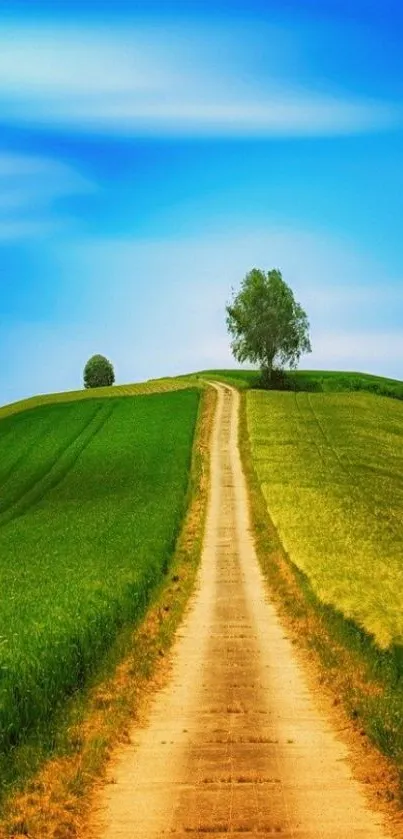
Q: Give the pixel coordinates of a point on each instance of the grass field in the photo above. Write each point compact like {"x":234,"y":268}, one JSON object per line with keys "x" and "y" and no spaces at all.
{"x":330,"y":467}
{"x":152,"y":386}
{"x":92,"y":496}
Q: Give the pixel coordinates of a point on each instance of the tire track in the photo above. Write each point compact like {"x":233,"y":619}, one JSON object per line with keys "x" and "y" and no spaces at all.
{"x":57,"y":468}
{"x":14,"y":465}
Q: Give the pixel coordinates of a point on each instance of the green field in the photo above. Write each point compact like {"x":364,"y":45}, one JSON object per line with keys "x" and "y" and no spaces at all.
{"x":313,"y":381}
{"x":152,"y":386}
{"x":91,"y":500}
{"x":93,"y":491}
{"x":331,"y":470}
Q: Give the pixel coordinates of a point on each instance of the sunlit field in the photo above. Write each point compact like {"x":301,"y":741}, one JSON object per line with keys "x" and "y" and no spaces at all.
{"x":331,"y":470}
{"x":92,"y":497}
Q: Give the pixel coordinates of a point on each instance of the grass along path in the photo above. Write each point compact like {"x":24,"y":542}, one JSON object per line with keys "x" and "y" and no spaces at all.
{"x":93,"y":494}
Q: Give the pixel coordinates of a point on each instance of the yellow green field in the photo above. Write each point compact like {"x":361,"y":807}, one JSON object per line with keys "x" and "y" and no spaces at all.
{"x":331,"y":470}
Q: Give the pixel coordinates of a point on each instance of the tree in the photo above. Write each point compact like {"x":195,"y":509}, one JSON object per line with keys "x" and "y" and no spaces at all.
{"x":268,"y":327}
{"x":98,"y":372}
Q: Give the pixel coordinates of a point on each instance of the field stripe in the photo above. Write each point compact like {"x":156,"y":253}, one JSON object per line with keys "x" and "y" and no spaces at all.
{"x":59,"y":466}
{"x":327,"y":439}
{"x":303,"y":432}
{"x":47,"y":463}
{"x":14,"y":464}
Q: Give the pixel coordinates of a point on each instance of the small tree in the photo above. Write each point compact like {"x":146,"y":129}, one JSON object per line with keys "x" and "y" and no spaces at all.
{"x":98,"y":372}
{"x":267,"y":325}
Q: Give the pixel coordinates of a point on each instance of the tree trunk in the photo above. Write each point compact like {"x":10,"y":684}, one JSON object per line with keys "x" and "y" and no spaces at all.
{"x":267,"y":373}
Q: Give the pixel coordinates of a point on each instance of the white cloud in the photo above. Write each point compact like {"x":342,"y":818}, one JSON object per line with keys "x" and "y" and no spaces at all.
{"x":171,"y":80}
{"x":22,"y":165}
{"x":41,"y":173}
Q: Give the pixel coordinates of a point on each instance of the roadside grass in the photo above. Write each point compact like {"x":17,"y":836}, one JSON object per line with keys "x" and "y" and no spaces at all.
{"x":57,"y":800}
{"x":93,"y":493}
{"x":324,"y":473}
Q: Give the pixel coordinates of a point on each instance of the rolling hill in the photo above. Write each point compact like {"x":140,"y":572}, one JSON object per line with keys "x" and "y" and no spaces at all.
{"x":93,"y":492}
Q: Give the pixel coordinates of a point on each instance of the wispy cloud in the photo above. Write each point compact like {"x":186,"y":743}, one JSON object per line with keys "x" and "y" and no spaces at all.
{"x":17,"y":230}
{"x":170,"y":80}
{"x":29,"y":188}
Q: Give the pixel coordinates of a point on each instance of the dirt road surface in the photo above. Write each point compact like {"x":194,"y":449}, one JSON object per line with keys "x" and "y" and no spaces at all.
{"x":234,"y":744}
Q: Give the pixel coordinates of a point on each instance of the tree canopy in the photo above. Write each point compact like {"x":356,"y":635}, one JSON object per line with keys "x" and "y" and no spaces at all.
{"x":267,"y":325}
{"x":98,"y":372}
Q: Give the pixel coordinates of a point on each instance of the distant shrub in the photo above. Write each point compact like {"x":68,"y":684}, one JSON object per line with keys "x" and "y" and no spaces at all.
{"x":98,"y":372}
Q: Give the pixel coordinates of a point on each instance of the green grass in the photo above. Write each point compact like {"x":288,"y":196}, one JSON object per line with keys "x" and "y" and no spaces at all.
{"x":332,"y":381}
{"x":92,"y":497}
{"x":153,"y":386}
{"x":330,"y":467}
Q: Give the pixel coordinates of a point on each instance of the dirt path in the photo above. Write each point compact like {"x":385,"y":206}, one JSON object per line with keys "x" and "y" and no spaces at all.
{"x":234,"y":744}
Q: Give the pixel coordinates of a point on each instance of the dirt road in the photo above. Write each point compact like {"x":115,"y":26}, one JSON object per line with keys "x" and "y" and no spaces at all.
{"x":234,"y":744}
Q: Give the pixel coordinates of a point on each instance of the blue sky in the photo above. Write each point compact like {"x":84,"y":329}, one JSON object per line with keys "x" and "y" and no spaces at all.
{"x":152,"y":154}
